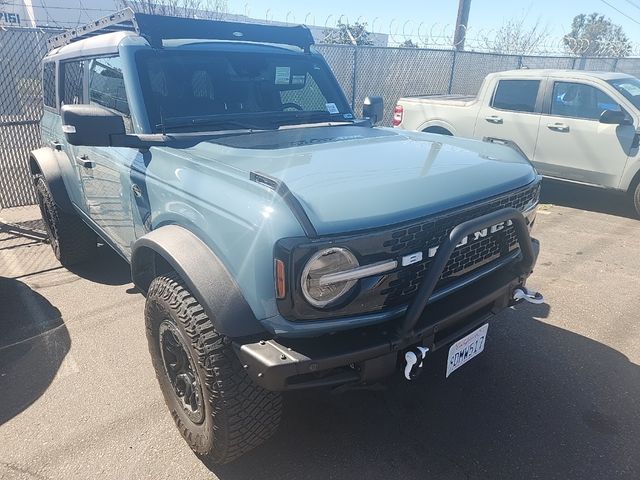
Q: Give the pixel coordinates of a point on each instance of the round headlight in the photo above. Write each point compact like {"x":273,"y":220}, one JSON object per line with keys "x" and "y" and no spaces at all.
{"x":325,"y":262}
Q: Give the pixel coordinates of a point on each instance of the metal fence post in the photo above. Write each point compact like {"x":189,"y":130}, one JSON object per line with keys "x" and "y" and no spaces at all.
{"x":354,"y":80}
{"x":615,"y":64}
{"x":453,"y":71}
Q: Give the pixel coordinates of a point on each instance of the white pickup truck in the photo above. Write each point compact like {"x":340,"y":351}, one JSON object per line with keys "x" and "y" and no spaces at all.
{"x":573,"y":125}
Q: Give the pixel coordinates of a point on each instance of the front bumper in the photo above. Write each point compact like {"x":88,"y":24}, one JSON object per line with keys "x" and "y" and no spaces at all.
{"x":370,"y":353}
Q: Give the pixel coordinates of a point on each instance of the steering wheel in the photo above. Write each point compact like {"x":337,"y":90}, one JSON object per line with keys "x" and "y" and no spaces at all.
{"x":295,"y":106}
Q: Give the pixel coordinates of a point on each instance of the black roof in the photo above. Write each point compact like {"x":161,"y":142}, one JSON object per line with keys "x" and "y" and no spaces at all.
{"x":156,"y":28}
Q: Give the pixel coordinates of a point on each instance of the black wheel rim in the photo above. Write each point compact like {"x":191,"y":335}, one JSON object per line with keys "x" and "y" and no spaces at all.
{"x":47,"y":217}
{"x":181,"y":372}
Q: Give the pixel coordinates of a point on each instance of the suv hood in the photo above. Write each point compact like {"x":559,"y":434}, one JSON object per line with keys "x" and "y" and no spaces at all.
{"x":354,"y":178}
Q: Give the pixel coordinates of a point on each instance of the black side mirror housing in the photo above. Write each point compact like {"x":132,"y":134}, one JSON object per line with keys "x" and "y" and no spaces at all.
{"x":615,"y":117}
{"x":90,"y":125}
{"x":373,"y":109}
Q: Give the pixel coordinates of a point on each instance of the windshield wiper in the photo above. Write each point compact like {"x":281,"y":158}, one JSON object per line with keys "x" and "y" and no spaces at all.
{"x":215,"y":124}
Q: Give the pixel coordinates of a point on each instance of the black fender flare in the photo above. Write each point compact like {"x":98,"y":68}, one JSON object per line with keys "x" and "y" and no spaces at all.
{"x":44,"y":161}
{"x":173,"y":247}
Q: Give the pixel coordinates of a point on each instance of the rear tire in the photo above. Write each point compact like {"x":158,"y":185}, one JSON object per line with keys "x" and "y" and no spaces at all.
{"x":71,"y":239}
{"x":636,"y":199}
{"x":221,"y":412}
{"x":438,"y":131}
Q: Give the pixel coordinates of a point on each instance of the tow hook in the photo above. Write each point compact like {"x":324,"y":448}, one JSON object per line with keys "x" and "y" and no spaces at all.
{"x":414,"y":359}
{"x":521,"y":293}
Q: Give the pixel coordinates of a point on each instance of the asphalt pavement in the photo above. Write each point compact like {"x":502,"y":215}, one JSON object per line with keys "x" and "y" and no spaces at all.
{"x":555,"y":394}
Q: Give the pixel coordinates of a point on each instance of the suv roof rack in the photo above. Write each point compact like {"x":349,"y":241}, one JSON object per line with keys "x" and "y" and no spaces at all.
{"x":156,"y":28}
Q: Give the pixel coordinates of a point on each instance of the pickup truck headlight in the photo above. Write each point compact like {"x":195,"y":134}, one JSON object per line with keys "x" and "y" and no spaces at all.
{"x":327,"y":262}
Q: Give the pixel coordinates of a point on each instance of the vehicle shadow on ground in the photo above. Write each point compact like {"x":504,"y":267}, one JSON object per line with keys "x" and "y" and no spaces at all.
{"x":588,"y":198}
{"x":540,"y":402}
{"x":33,"y":344}
{"x":106,"y":268}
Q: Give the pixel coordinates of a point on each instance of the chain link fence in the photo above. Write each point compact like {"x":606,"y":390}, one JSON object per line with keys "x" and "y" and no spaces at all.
{"x":361,"y":71}
{"x":21,"y":51}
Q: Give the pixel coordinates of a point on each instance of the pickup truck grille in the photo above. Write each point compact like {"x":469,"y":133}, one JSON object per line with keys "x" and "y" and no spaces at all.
{"x":432,"y":232}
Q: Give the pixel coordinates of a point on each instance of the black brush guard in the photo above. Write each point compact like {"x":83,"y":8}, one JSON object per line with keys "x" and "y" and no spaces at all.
{"x":370,"y":353}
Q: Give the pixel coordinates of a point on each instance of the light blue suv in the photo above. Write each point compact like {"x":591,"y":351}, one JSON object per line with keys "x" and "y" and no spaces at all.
{"x":281,"y":242}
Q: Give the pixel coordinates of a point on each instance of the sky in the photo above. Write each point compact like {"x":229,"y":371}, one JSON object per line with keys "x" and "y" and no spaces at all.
{"x":485,"y":14}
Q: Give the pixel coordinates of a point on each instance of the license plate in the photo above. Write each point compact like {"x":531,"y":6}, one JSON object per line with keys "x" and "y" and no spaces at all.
{"x":466,"y":348}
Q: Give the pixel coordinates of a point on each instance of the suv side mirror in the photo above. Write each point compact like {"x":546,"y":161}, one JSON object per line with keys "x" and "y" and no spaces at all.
{"x":373,"y":109}
{"x":615,"y":117}
{"x":90,"y":125}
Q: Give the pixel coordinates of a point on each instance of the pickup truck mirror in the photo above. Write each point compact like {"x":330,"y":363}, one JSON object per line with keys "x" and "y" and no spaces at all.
{"x":90,"y":125}
{"x":373,"y":109}
{"x":615,"y":117}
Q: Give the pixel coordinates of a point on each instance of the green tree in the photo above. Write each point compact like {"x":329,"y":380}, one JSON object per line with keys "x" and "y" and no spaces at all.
{"x":408,"y":43}
{"x":595,"y":35}
{"x":348,"y":34}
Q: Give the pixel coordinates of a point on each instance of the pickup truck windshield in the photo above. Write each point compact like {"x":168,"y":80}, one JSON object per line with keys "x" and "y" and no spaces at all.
{"x":213,"y":90}
{"x":629,"y":88}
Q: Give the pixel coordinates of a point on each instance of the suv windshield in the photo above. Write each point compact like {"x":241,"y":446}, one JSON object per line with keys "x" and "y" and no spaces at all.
{"x":629,"y":88}
{"x":213,"y":90}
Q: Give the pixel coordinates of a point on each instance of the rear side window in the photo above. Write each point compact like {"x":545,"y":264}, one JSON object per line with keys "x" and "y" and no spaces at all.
{"x":73,"y":82}
{"x":49,"y":84}
{"x":106,"y":84}
{"x":516,"y":95}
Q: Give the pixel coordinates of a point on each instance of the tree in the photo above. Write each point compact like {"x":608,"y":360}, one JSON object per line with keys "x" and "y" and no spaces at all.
{"x":595,"y":35}
{"x":516,"y":38}
{"x":210,"y":9}
{"x":347,"y":34}
{"x":408,"y":43}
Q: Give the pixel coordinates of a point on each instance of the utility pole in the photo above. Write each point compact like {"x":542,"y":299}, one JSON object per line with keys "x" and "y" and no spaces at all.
{"x":461,"y":24}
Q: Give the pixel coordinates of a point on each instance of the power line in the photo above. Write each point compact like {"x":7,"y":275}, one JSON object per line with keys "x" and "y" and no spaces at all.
{"x":633,"y":4}
{"x":620,"y":11}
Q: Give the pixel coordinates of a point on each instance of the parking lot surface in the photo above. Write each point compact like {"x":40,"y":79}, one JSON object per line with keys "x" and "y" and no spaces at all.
{"x":555,"y":394}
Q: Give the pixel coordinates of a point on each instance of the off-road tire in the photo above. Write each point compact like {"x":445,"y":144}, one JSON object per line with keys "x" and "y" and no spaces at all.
{"x":71,"y":239}
{"x":636,"y":198}
{"x":239,"y":415}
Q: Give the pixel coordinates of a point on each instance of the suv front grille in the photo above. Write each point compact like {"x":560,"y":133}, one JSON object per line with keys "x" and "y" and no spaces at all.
{"x":398,"y":287}
{"x":431,"y":233}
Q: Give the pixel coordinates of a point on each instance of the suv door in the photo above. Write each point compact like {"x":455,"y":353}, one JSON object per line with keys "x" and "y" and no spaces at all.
{"x":573,"y":144}
{"x":106,"y":171}
{"x":512,"y":113}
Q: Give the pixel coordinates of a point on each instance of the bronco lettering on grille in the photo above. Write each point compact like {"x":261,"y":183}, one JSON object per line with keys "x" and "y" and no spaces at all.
{"x":474,"y":236}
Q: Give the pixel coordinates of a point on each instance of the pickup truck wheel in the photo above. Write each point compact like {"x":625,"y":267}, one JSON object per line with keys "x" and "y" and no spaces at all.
{"x":71,"y":239}
{"x":219,"y":410}
{"x":636,"y":198}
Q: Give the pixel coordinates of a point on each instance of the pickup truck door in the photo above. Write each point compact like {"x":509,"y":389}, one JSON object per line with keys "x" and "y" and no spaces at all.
{"x":106,"y":171}
{"x":573,"y":144}
{"x":511,"y":111}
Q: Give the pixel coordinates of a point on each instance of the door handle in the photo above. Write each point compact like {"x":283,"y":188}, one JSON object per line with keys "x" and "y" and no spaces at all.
{"x":558,"y":127}
{"x":494,"y":119}
{"x":83,"y":161}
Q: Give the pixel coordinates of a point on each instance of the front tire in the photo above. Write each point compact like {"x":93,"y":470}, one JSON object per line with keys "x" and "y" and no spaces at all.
{"x":217,"y":408}
{"x":71,"y":239}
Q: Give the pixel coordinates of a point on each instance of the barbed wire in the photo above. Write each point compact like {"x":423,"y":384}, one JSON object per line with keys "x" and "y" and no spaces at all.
{"x":379,"y":31}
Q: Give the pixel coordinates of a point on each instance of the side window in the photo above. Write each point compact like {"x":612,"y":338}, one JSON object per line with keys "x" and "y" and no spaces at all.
{"x":578,"y":100}
{"x":106,"y":84}
{"x":49,"y":84}
{"x":73,"y":75}
{"x":309,"y":97}
{"x":516,"y":95}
